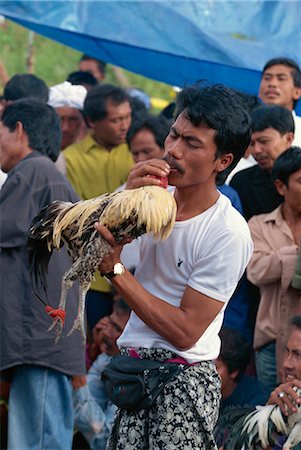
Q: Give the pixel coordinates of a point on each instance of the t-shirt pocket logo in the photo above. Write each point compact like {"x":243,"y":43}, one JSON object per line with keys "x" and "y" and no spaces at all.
{"x":179,"y":263}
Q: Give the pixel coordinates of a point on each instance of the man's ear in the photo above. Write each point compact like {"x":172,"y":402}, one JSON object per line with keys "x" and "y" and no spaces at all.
{"x":296,"y":93}
{"x":20,"y":133}
{"x":234,"y":374}
{"x":280,"y":186}
{"x":90,"y":123}
{"x":289,"y":138}
{"x":224,"y":161}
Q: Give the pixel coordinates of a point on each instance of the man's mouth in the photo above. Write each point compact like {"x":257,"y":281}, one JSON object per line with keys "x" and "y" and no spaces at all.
{"x":174,"y":164}
{"x":272,"y":94}
{"x":289,"y":376}
{"x":261,"y":160}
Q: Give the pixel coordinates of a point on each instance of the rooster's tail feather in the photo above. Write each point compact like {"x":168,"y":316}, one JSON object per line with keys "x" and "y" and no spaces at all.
{"x":40,"y":244}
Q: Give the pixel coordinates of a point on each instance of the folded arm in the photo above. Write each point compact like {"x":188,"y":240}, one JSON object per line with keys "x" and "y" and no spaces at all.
{"x":182,"y":326}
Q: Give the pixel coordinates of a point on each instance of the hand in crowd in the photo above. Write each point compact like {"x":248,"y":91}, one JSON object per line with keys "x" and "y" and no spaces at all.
{"x":285,"y":396}
{"x":97,"y":332}
{"x":138,"y":174}
{"x":79,"y":381}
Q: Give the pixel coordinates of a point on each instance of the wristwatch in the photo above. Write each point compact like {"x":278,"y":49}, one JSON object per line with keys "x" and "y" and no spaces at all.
{"x":118,"y":269}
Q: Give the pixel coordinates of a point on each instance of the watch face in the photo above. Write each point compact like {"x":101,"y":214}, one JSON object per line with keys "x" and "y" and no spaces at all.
{"x":118,"y":269}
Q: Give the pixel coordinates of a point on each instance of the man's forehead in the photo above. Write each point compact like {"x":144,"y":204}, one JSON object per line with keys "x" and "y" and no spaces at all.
{"x":118,"y":315}
{"x":183,"y":125}
{"x":294,"y":342}
{"x":68,"y":111}
{"x":279,"y":69}
{"x":115,"y":108}
{"x":267,"y":132}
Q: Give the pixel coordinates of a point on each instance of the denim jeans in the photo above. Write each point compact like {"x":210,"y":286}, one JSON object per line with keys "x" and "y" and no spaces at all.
{"x":265,"y":359}
{"x":40,"y":410}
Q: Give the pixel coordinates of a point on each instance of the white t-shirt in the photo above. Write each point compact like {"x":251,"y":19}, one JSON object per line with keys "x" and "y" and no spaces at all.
{"x":208,"y":253}
{"x":297,"y":138}
{"x":3,"y":177}
{"x":243,"y":163}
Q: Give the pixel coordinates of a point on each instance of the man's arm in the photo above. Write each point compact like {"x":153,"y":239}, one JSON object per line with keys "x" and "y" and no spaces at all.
{"x":182,"y":326}
{"x":269,"y":265}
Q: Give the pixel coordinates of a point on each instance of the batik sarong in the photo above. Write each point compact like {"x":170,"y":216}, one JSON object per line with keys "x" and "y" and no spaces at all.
{"x":183,"y":416}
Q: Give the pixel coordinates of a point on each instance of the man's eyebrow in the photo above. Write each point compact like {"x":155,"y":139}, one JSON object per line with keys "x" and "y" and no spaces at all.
{"x":174,"y":130}
{"x":187,"y":137}
{"x":277,"y":74}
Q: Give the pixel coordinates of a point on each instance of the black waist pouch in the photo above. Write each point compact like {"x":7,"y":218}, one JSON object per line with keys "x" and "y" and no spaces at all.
{"x":133,"y":383}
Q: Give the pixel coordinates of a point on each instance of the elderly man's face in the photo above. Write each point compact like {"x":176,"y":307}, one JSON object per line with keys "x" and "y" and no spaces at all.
{"x":292,"y":362}
{"x":72,"y":123}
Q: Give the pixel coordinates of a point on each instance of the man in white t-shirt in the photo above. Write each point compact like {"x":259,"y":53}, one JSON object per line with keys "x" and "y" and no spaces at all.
{"x":182,"y":285}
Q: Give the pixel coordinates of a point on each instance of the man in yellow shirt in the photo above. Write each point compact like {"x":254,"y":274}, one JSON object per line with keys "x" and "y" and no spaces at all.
{"x":100,"y":163}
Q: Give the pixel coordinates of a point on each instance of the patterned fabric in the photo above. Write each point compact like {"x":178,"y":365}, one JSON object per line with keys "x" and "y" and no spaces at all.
{"x":183,"y":416}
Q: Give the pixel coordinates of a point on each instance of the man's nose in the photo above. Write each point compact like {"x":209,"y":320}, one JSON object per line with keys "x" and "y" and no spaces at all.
{"x":272,"y":81}
{"x":64,"y":125}
{"x":256,"y":149}
{"x":125,"y":124}
{"x":139,"y":157}
{"x":288,"y":363}
{"x":173,"y":149}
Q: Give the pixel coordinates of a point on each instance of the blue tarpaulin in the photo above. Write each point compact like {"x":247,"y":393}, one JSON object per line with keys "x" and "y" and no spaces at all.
{"x":177,"y":42}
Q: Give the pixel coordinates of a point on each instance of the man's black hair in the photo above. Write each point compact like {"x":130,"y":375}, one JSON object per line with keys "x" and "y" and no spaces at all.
{"x":286,"y":164}
{"x":288,"y":63}
{"x":235,"y":351}
{"x":274,"y":116}
{"x":169,"y":111}
{"x":296,"y":322}
{"x":25,"y":85}
{"x":101,"y":64}
{"x":41,"y":124}
{"x":221,"y":109}
{"x":122,"y":306}
{"x":95,"y":106}
{"x":80,"y":77}
{"x":250,"y":102}
{"x":137,"y":106}
{"x":157,"y":125}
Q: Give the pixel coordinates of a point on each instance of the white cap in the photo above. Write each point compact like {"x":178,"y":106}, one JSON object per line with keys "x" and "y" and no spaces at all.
{"x":67,"y":94}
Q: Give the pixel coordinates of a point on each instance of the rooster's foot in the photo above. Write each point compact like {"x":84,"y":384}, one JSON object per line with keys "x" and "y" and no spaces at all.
{"x":58,"y":316}
{"x":79,"y":325}
{"x":57,"y":326}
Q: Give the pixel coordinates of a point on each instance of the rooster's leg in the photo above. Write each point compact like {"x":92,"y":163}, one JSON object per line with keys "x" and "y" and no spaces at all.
{"x":58,"y":320}
{"x":79,"y":323}
{"x":294,"y":437}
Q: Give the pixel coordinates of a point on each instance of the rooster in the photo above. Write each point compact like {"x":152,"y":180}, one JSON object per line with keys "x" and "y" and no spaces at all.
{"x":261,"y":428}
{"x":127,"y":214}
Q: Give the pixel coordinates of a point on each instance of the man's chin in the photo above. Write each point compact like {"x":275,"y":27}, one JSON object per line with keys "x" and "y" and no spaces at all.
{"x":109,"y":350}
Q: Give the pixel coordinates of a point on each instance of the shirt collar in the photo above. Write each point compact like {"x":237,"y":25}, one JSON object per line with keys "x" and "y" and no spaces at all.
{"x":275,"y":216}
{"x":89,"y":142}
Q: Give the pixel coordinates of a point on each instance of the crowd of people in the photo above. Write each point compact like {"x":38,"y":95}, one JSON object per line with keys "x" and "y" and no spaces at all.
{"x":220,"y":298}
